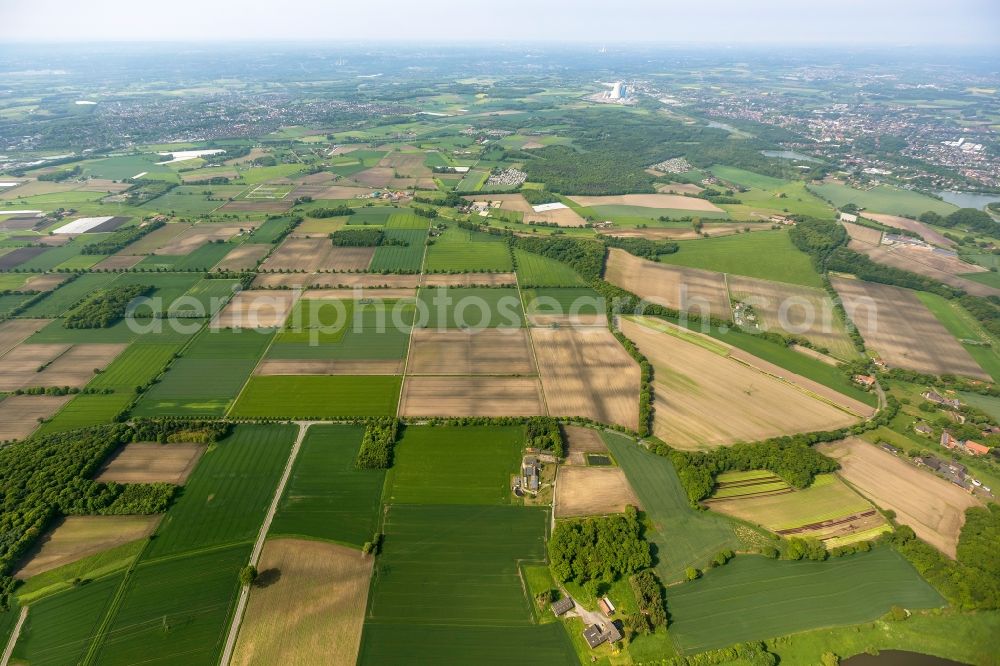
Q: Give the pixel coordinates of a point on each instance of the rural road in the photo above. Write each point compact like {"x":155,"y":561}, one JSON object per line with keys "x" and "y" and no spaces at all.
{"x":9,"y":650}
{"x":241,"y":604}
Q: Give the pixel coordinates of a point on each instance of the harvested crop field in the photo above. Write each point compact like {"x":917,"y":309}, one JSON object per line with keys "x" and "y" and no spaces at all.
{"x":308,"y":606}
{"x":489,"y":351}
{"x":19,"y":414}
{"x":943,"y":269}
{"x":688,"y":232}
{"x":592,"y":491}
{"x":19,"y":368}
{"x":586,"y":372}
{"x":358,"y":293}
{"x":926,"y":232}
{"x":196,"y":236}
{"x":684,"y":289}
{"x":793,"y":309}
{"x":76,"y":537}
{"x":256,"y":309}
{"x":300,"y":254}
{"x":149,"y":462}
{"x":374,"y":280}
{"x":863,"y":234}
{"x":15,"y":331}
{"x":933,"y":507}
{"x":281,"y":366}
{"x":44,"y":282}
{"x":244,"y":257}
{"x":674,"y":201}
{"x":471,"y":396}
{"x":580,"y":441}
{"x":283,"y":280}
{"x":338,"y":192}
{"x":158,"y":238}
{"x":349,"y":258}
{"x":258,"y":205}
{"x":118,"y":261}
{"x":76,"y":366}
{"x":469,"y":280}
{"x":696,"y":381}
{"x":903,"y":331}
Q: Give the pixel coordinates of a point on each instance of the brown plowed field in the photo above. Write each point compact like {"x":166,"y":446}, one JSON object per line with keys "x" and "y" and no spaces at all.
{"x":586,"y":372}
{"x":688,"y":232}
{"x":863,"y":234}
{"x":903,"y":331}
{"x":280,"y":366}
{"x":19,"y":414}
{"x":490,"y":351}
{"x":349,"y":258}
{"x":469,"y":280}
{"x":76,"y":367}
{"x":928,"y":234}
{"x":15,"y":331}
{"x":592,"y":491}
{"x":257,"y":309}
{"x":705,"y":399}
{"x":118,"y":261}
{"x":193,"y":238}
{"x":333,"y":280}
{"x":44,"y":282}
{"x":300,"y":254}
{"x":290,"y":280}
{"x":148,"y":462}
{"x":19,"y":367}
{"x":942,"y":269}
{"x":684,"y":289}
{"x":471,"y":396}
{"x":244,"y":257}
{"x":312,"y":612}
{"x":358,"y":293}
{"x":933,"y":507}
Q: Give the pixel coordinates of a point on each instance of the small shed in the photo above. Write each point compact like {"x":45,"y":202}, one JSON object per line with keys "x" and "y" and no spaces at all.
{"x":606,"y":606}
{"x":563,"y":605}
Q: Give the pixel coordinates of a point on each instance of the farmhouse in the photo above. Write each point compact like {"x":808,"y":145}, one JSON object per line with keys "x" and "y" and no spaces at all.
{"x":975,"y":448}
{"x":923,"y":429}
{"x":562,"y":606}
{"x":596,"y":635}
{"x":938,"y":399}
{"x":848,"y":217}
{"x":865,"y":380}
{"x":529,"y":473}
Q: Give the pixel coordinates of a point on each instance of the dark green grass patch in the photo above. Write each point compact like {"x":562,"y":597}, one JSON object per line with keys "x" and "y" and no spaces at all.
{"x":204,"y":298}
{"x":175,"y":609}
{"x":554,"y":300}
{"x":318,"y":396}
{"x":327,"y":497}
{"x":683,"y":536}
{"x":201,"y":259}
{"x":407,"y":221}
{"x":270,"y":231}
{"x":10,"y":301}
{"x":534,"y":270}
{"x":87,"y":410}
{"x":463,"y":251}
{"x":470,"y":307}
{"x":753,"y":598}
{"x":400,"y":258}
{"x":225,"y":499}
{"x":379,"y":215}
{"x":67,"y":295}
{"x":59,"y":629}
{"x":455,"y":464}
{"x":456,"y":565}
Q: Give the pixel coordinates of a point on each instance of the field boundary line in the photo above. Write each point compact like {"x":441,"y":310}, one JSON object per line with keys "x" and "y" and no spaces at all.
{"x":409,"y":338}
{"x":12,"y":641}
{"x":279,"y":491}
{"x":260,"y":359}
{"x":531,"y":340}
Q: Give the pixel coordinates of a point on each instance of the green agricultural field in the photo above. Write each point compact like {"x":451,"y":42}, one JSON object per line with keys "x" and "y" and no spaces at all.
{"x":205,"y":298}
{"x":55,"y":256}
{"x":59,"y":629}
{"x":534,"y":270}
{"x":768,"y":255}
{"x":87,"y":410}
{"x":208,"y":377}
{"x":471,"y":307}
{"x":270,"y":230}
{"x":746,"y":178}
{"x":190,"y":200}
{"x":406,"y":221}
{"x":225,"y":499}
{"x":118,"y":332}
{"x":175,"y":608}
{"x":882,"y":199}
{"x":462,"y":251}
{"x":753,"y":597}
{"x":327,"y":497}
{"x":684,"y":537}
{"x":455,"y":464}
{"x":201,"y":259}
{"x":990,"y":279}
{"x":93,"y":567}
{"x":400,"y":258}
{"x":318,"y":396}
{"x":168,"y":287}
{"x":67,"y":295}
{"x":380,"y":215}
{"x":375,"y":331}
{"x":555,"y":300}
{"x":10,"y":301}
{"x":629,"y":216}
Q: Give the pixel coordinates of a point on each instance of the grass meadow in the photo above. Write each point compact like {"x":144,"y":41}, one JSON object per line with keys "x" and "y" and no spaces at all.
{"x":462,"y":251}
{"x":472,"y":307}
{"x":882,"y":199}
{"x":318,"y":396}
{"x":400,"y":258}
{"x":534,"y":270}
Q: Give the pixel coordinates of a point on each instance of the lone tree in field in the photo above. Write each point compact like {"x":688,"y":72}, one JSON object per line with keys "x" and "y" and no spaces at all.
{"x":248,"y":575}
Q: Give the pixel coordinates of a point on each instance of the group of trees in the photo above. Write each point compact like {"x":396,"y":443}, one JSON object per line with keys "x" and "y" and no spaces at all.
{"x":973,"y":219}
{"x":120,"y":239}
{"x":649,"y":595}
{"x":642,"y":247}
{"x":599,"y":550}
{"x":363,"y":237}
{"x":105,"y":307}
{"x":337,"y":211}
{"x":543,"y":432}
{"x":586,"y":257}
{"x":377,"y":443}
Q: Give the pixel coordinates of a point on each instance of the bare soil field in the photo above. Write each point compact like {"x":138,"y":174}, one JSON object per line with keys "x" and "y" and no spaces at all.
{"x":244,"y":257}
{"x":19,"y":414}
{"x":44,"y":282}
{"x":923,"y":263}
{"x":585,"y":320}
{"x":933,"y":507}
{"x":711,"y":229}
{"x":564,"y":217}
{"x":30,"y":188}
{"x":118,"y":261}
{"x":407,"y":165}
{"x":198,"y":235}
{"x":277,"y":366}
{"x":15,"y":331}
{"x":356,"y":293}
{"x":683,"y":289}
{"x":469,"y":280}
{"x":19,"y":223}
{"x":793,"y":309}
{"x":158,"y":238}
{"x":320,"y":178}
{"x":257,"y":309}
{"x":375,"y":281}
{"x":19,"y":367}
{"x":255,"y":153}
{"x":300,"y":254}
{"x":580,"y":441}
{"x":491,"y":351}
{"x":927,"y":233}
{"x":349,"y":258}
{"x":694,"y":386}
{"x":104,"y":185}
{"x":863,"y":234}
{"x":18,"y":256}
{"x":592,"y":491}
{"x":676,"y":188}
{"x":258,"y":205}
{"x":194,"y":176}
{"x":76,"y":537}
{"x":312,"y":609}
{"x":283,"y":280}
{"x":471,"y":396}
{"x":339,"y":192}
{"x":376,"y":177}
{"x":76,"y":367}
{"x":674,"y":201}
{"x":150,"y":462}
{"x":586,"y":372}
{"x":903,"y":331}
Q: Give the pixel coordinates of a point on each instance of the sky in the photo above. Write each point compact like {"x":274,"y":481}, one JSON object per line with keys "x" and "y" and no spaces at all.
{"x":666,"y":22}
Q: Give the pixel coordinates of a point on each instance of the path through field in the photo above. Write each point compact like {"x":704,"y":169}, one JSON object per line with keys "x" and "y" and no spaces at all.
{"x":14,"y":635}
{"x":241,"y":605}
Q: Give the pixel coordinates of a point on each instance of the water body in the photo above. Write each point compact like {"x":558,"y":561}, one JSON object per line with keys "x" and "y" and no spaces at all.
{"x":968,"y":199}
{"x":899,"y":658}
{"x":790,"y":155}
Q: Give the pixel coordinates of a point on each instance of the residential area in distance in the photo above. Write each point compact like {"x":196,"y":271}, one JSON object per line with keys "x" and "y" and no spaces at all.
{"x":590,"y":354}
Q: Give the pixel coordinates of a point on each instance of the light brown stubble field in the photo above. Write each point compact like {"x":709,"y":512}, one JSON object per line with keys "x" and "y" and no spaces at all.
{"x":471,"y":396}
{"x":685,"y":289}
{"x":489,"y":351}
{"x":148,"y":462}
{"x":592,"y":491}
